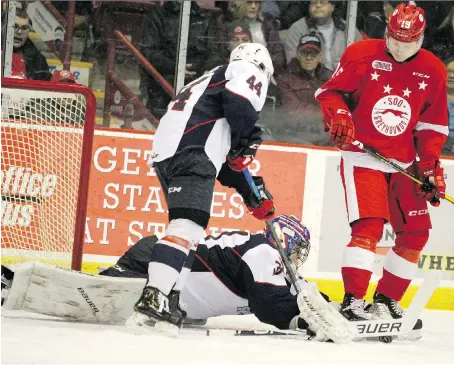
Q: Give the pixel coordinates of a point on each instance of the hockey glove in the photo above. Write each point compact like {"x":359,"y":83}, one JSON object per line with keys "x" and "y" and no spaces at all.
{"x":434,"y":187}
{"x":244,"y":154}
{"x":342,"y":129}
{"x":262,"y":208}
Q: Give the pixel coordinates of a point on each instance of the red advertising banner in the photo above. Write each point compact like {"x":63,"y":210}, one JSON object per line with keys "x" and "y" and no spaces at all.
{"x":126,"y":201}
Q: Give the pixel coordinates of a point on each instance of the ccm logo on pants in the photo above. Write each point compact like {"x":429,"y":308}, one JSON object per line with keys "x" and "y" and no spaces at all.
{"x":174,"y":190}
{"x":414,"y":213}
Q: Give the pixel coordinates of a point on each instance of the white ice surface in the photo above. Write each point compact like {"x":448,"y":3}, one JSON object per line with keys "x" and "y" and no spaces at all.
{"x":27,"y":338}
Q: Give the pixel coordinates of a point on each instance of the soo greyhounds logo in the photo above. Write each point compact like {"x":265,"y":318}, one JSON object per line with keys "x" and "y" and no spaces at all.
{"x":391,"y":115}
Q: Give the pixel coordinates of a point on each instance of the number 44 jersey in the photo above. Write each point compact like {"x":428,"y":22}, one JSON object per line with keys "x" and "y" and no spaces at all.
{"x":398,"y":108}
{"x":213,"y":112}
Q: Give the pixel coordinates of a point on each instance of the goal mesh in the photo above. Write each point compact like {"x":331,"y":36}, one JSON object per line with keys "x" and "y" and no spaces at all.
{"x":46,"y":142}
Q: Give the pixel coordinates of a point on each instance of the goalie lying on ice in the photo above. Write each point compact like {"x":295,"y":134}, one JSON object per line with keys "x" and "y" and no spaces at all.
{"x":233,"y":273}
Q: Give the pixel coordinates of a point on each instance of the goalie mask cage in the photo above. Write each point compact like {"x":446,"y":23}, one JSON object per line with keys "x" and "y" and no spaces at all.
{"x":46,"y":147}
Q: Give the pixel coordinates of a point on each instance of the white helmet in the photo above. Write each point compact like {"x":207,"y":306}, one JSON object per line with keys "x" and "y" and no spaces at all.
{"x":255,"y":53}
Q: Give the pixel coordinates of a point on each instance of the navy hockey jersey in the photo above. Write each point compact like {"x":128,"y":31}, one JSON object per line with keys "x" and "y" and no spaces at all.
{"x":212,"y":113}
{"x":233,"y":273}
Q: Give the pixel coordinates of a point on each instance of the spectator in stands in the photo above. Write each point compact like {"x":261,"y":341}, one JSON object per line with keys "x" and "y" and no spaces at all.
{"x":239,"y":33}
{"x":331,"y":28}
{"x":160,"y":41}
{"x":263,"y":31}
{"x":28,"y":62}
{"x":305,"y":74}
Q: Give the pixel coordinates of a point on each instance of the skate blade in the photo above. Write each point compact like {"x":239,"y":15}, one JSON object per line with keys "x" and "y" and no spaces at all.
{"x":414,"y":335}
{"x":140,"y":323}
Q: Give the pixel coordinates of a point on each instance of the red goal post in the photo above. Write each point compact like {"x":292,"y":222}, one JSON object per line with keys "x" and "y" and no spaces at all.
{"x":46,"y":149}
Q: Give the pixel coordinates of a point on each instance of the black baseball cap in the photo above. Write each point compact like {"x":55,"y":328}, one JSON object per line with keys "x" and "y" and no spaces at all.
{"x":311,"y":40}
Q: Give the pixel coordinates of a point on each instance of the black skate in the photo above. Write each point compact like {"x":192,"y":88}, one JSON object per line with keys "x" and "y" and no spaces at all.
{"x":354,"y":309}
{"x":386,"y":308}
{"x":7,"y":281}
{"x":156,"y":310}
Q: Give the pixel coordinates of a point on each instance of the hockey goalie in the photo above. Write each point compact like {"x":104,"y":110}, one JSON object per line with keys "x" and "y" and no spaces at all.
{"x":233,"y":273}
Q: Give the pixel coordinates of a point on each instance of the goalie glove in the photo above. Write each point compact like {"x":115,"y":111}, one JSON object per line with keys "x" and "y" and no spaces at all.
{"x":243,"y":155}
{"x":262,"y":208}
{"x":323,"y":319}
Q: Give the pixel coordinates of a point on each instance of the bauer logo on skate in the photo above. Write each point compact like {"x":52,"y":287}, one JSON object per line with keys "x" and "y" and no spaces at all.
{"x":391,"y":115}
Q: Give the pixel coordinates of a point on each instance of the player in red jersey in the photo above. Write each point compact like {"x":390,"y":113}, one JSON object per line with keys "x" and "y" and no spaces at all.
{"x":391,"y":95}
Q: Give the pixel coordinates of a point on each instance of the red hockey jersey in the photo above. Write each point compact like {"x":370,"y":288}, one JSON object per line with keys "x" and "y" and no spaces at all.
{"x":399,"y":109}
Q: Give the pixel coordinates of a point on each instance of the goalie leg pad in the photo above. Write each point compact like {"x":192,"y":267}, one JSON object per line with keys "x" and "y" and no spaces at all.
{"x":46,"y":289}
{"x":322,"y":318}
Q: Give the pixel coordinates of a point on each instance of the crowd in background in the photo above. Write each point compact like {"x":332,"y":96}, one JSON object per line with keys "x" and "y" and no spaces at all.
{"x":305,"y":39}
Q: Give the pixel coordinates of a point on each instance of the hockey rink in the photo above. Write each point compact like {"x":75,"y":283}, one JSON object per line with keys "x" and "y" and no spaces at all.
{"x":28,"y":338}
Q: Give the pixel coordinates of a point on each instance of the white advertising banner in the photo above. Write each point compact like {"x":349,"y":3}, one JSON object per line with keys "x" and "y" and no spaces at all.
{"x":44,"y":23}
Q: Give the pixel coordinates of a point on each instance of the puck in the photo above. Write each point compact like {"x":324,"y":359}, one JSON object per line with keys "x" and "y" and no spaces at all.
{"x":208,"y":332}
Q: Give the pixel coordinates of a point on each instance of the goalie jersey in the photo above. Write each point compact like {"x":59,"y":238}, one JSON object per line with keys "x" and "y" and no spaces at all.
{"x":233,"y":273}
{"x":212,"y":113}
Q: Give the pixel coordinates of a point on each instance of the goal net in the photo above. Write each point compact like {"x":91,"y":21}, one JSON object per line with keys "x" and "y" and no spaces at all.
{"x":46,"y":143}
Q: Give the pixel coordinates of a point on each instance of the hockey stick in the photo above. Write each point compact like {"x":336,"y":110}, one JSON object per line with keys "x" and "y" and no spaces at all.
{"x":251,"y":182}
{"x":396,"y":167}
{"x":290,"y":271}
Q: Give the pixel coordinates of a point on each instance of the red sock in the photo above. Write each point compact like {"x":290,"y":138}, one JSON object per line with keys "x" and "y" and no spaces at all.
{"x":392,"y":286}
{"x":356,"y":281}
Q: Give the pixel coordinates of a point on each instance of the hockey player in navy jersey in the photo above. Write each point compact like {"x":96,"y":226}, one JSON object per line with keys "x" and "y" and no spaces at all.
{"x":207,"y":133}
{"x":233,"y":273}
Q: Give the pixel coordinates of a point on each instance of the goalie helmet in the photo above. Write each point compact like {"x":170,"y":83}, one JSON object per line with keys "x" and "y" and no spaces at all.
{"x":294,"y":237}
{"x":255,"y":53}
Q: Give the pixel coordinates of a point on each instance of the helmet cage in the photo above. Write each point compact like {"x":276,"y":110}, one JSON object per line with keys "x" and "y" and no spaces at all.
{"x":294,"y":238}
